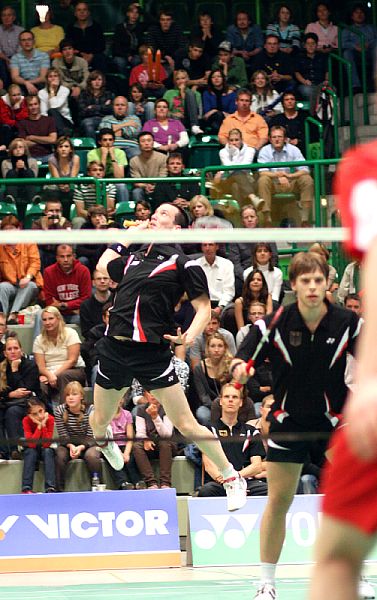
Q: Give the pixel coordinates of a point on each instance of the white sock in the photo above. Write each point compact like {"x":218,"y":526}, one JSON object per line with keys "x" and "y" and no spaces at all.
{"x":229,"y":472}
{"x":268,"y":573}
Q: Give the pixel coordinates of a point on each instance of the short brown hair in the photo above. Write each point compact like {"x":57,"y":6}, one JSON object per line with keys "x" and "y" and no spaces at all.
{"x":307,"y":262}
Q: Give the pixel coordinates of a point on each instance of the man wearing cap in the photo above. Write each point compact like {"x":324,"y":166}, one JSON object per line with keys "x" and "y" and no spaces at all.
{"x":233,"y":67}
{"x":73,"y":69}
{"x":253,"y":127}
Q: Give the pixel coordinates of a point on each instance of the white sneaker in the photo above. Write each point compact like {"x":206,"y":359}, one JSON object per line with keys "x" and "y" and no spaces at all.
{"x":365,"y":589}
{"x":257,"y":202}
{"x":266,"y":592}
{"x":111,"y":452}
{"x":235,"y":488}
{"x":195,"y":129}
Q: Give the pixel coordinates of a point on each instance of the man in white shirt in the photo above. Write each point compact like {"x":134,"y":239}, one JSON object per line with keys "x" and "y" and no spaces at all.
{"x":220,"y":276}
{"x":282,"y":179}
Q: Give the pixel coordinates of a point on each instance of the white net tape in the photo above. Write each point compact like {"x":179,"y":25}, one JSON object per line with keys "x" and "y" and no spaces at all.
{"x":146,"y":236}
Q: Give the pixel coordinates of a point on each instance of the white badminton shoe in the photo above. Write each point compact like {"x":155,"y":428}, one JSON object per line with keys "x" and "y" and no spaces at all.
{"x":266,"y":592}
{"x":112,"y":452}
{"x":235,"y":488}
{"x":365,"y":590}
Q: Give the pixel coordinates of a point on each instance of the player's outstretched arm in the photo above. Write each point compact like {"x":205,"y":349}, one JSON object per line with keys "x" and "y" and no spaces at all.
{"x":361,"y":409}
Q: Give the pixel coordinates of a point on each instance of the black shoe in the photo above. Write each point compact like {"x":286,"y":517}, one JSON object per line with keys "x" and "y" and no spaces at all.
{"x":126,"y":485}
{"x":51,"y":490}
{"x":141,"y":485}
{"x":10,"y":199}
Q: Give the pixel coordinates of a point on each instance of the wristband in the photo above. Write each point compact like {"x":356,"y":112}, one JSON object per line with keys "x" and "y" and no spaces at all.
{"x":119,"y":249}
{"x":240,"y":362}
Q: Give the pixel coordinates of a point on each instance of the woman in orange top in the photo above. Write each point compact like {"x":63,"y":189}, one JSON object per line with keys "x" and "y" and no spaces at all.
{"x":20,"y":274}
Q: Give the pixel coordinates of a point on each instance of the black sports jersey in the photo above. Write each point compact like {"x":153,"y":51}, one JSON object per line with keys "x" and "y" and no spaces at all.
{"x":307,"y":368}
{"x":149,"y":289}
{"x":239,"y":452}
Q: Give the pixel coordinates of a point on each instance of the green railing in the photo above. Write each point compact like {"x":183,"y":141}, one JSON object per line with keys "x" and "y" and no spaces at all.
{"x":361,"y":37}
{"x":335,"y":57}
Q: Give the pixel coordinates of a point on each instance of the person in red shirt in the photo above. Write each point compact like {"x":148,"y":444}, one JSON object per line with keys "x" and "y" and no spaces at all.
{"x":38,"y":425}
{"x":67,"y":283}
{"x":152,"y":85}
{"x":13,"y":108}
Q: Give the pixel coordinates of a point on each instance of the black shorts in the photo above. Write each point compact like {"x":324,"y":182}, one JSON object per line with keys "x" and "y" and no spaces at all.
{"x":120,"y":362}
{"x":281,"y":450}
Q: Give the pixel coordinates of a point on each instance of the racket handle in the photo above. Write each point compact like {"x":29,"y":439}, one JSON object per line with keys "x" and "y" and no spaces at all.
{"x":249,"y":365}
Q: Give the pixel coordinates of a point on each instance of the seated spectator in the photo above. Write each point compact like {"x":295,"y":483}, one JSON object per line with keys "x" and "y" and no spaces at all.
{"x":73,"y":69}
{"x":19,"y":165}
{"x":252,"y":126}
{"x":219,"y":101}
{"x":127,"y":38}
{"x":184,"y":104}
{"x":327,"y":32}
{"x":255,"y":289}
{"x":311,"y":68}
{"x":9,"y":40}
{"x":261,"y":259}
{"x":169,"y":134}
{"x":167,"y":37}
{"x":277,"y":64}
{"x":282,"y":179}
{"x":323,"y":251}
{"x":13,"y":108}
{"x":220,"y":276}
{"x":47,"y":35}
{"x":149,"y":74}
{"x":92,"y":336}
{"x":20,"y":272}
{"x":197,"y":350}
{"x":247,"y":458}
{"x":28,"y":67}
{"x":38,"y":131}
{"x":351,"y":44}
{"x":180,"y":192}
{"x":76,"y":435}
{"x":126,"y":127}
{"x":239,"y":183}
{"x":138,"y":103}
{"x":64,"y":13}
{"x":67,"y":283}
{"x":256,"y":310}
{"x":143,"y":210}
{"x":210,"y":375}
{"x":54,"y":102}
{"x":152,"y":422}
{"x":200,"y":206}
{"x":89,"y":254}
{"x":240,"y":253}
{"x":3,"y":334}
{"x":264,"y":100}
{"x":64,"y":163}
{"x":52,"y":219}
{"x":19,"y":382}
{"x":245,"y":38}
{"x":91,"y":309}
{"x":123,"y":433}
{"x":293,"y":120}
{"x":38,"y":426}
{"x":95,"y":102}
{"x":350,"y":282}
{"x":85,"y":195}
{"x":206,"y":31}
{"x":196,"y":64}
{"x":148,"y":163}
{"x":113,"y":159}
{"x":88,"y":38}
{"x":287,"y":33}
{"x":233,"y":67}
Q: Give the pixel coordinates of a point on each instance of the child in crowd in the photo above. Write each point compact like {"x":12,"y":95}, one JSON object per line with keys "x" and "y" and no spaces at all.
{"x":38,"y":425}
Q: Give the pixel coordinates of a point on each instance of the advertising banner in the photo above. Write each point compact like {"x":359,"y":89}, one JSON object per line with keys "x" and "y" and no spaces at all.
{"x":90,"y":530}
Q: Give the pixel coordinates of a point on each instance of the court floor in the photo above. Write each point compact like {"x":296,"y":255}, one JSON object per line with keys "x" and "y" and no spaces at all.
{"x":165,"y":584}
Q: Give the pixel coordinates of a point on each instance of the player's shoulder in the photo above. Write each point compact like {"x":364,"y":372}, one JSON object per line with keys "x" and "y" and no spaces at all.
{"x":355,"y":187}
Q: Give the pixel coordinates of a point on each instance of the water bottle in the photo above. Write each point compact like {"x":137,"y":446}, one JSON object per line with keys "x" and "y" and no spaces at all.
{"x":95,"y":482}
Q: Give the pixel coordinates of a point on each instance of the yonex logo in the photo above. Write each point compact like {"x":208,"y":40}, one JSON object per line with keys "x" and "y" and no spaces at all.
{"x":330,"y":340}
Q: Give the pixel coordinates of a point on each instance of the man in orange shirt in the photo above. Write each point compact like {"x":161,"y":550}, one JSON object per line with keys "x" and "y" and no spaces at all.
{"x":253,"y":127}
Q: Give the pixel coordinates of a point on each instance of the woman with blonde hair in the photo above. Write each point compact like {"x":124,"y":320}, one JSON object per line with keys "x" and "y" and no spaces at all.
{"x":211,"y":374}
{"x":19,"y":165}
{"x":19,"y":381}
{"x":57,"y":354}
{"x":184,"y":103}
{"x":200,"y":206}
{"x":54,"y":102}
{"x":75,"y":433}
